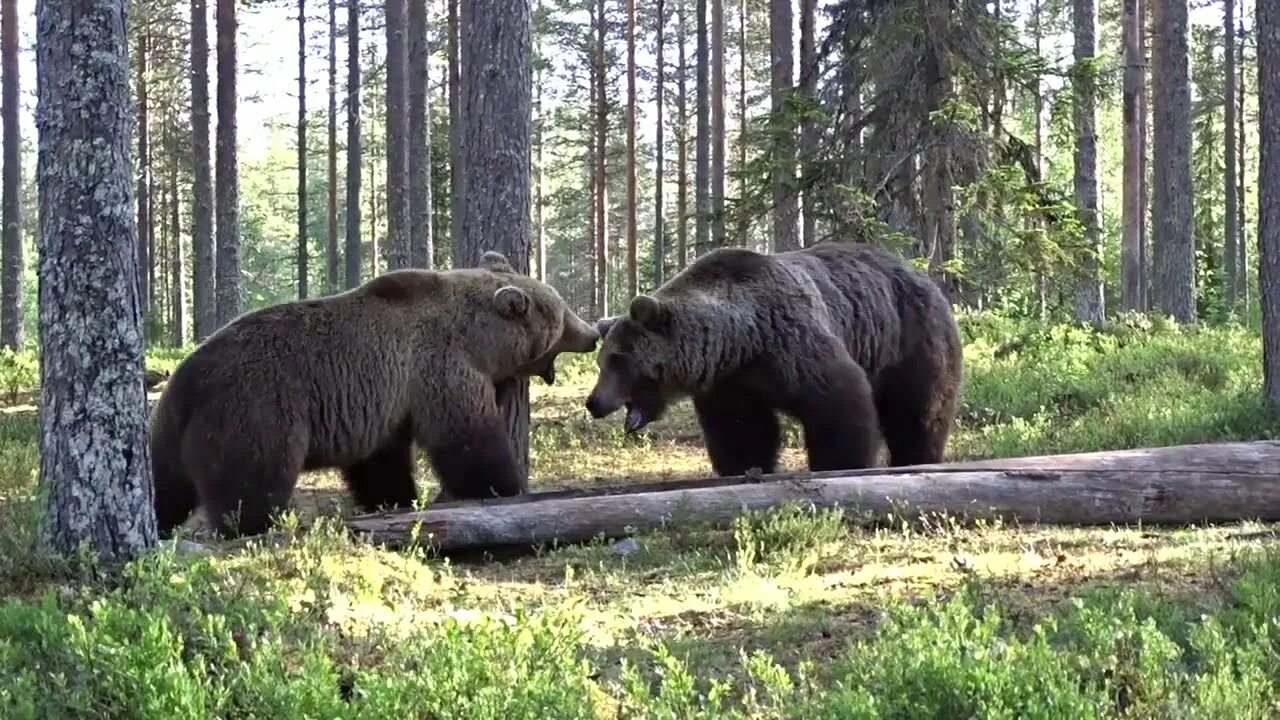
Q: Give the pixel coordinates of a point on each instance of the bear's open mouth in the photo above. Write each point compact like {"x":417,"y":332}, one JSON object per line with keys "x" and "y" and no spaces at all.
{"x":636,"y":419}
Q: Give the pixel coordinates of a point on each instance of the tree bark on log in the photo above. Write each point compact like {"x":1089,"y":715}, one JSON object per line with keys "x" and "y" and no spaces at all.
{"x":1175,"y":485}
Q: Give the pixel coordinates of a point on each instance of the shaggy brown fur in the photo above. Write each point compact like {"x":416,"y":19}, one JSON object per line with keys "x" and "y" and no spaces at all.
{"x":849,"y":339}
{"x":352,"y":381}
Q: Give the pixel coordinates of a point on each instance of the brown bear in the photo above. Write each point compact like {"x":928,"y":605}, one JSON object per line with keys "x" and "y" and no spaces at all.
{"x":849,"y":339}
{"x":352,"y":381}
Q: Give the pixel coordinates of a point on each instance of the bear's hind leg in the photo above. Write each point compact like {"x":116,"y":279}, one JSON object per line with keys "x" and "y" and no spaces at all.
{"x":838,"y":412}
{"x":175,"y":495}
{"x":242,"y":490}
{"x":384,"y":480}
{"x":740,"y":430}
{"x":917,"y":404}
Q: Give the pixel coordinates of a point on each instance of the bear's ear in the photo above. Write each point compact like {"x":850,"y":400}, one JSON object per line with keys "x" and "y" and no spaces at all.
{"x":495,"y":261}
{"x":650,"y":313}
{"x":511,"y":301}
{"x":603,"y":325}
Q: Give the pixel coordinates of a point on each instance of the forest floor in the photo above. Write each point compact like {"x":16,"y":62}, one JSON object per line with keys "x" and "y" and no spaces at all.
{"x":792,"y":613}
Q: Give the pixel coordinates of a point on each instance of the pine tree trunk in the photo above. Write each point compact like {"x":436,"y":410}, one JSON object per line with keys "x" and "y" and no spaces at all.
{"x":633,"y":269}
{"x":785,"y":232}
{"x":352,"y":251}
{"x":1242,"y":259}
{"x":203,"y":285}
{"x":592,"y":178}
{"x":95,"y":464}
{"x":1267,"y":21}
{"x":702,"y":147}
{"x":660,"y":168}
{"x":1089,"y":298}
{"x":1144,"y":159}
{"x":422,"y":246}
{"x":682,"y":140}
{"x":303,"y":251}
{"x":12,"y":265}
{"x":227,"y":198}
{"x":1231,"y":235}
{"x":808,"y":131}
{"x":498,"y":108}
{"x":145,"y":276}
{"x":539,"y":127}
{"x":331,"y":218}
{"x":1174,"y":282}
{"x":398,"y":234}
{"x":1134,"y":146}
{"x":602,"y":180}
{"x":718,"y":123}
{"x":177,"y":256}
{"x":744,"y":219}
{"x":457,"y":170}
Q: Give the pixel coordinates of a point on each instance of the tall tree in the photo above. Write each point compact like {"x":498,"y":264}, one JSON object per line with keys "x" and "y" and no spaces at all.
{"x":717,"y":123}
{"x":95,"y":465}
{"x":177,"y":254}
{"x":203,"y":285}
{"x":227,"y":198}
{"x":602,"y":180}
{"x":1134,"y":206}
{"x":1242,"y":257}
{"x":539,"y":128}
{"x":303,"y":250}
{"x":659,"y":165}
{"x":498,"y":108}
{"x":1232,"y":235}
{"x":1089,"y":298}
{"x":1267,"y":24}
{"x":702,"y":147}
{"x":457,"y":174}
{"x":397,"y":245}
{"x":1174,"y":281}
{"x":144,"y":172}
{"x":744,"y":219}
{"x":352,"y":250}
{"x":11,"y":265}
{"x":785,"y":209}
{"x":331,"y":216}
{"x":682,"y":138}
{"x":633,"y":271}
{"x":422,"y":247}
{"x":808,"y":130}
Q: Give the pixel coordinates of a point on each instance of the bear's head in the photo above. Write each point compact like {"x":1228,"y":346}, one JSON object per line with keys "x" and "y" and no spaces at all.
{"x":636,"y":362}
{"x":549,"y":326}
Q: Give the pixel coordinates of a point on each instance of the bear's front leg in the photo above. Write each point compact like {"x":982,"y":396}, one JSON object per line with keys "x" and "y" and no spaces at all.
{"x":836,"y":407}
{"x":740,"y":430}
{"x":476,"y":461}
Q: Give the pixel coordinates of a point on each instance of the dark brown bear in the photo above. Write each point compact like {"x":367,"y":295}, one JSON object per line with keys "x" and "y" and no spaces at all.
{"x":352,"y":381}
{"x":849,"y":339}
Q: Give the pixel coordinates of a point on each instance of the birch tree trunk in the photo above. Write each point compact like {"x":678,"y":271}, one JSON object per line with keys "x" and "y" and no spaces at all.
{"x":203,"y":286}
{"x":352,"y":252}
{"x":1089,"y":297}
{"x":1268,"y":30}
{"x":1174,"y":255}
{"x":227,"y":198}
{"x":95,"y":464}
{"x":12,"y":265}
{"x":498,"y":109}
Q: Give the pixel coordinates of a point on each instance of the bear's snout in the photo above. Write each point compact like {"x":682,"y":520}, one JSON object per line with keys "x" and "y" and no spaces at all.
{"x":597,"y":406}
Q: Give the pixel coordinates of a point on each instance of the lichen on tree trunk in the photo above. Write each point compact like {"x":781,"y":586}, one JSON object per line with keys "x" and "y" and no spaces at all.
{"x":497,"y":102}
{"x":95,"y":464}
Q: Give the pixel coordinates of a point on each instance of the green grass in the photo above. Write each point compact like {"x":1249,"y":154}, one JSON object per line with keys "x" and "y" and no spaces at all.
{"x":794,"y":613}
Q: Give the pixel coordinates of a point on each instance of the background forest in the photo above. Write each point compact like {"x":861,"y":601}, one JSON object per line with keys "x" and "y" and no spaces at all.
{"x":1096,"y":185}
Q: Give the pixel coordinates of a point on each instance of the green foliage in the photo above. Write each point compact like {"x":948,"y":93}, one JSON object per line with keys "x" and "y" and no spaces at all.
{"x":19,"y":371}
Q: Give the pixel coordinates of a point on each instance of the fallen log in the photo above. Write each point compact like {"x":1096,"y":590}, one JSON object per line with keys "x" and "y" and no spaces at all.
{"x":1180,"y":485}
